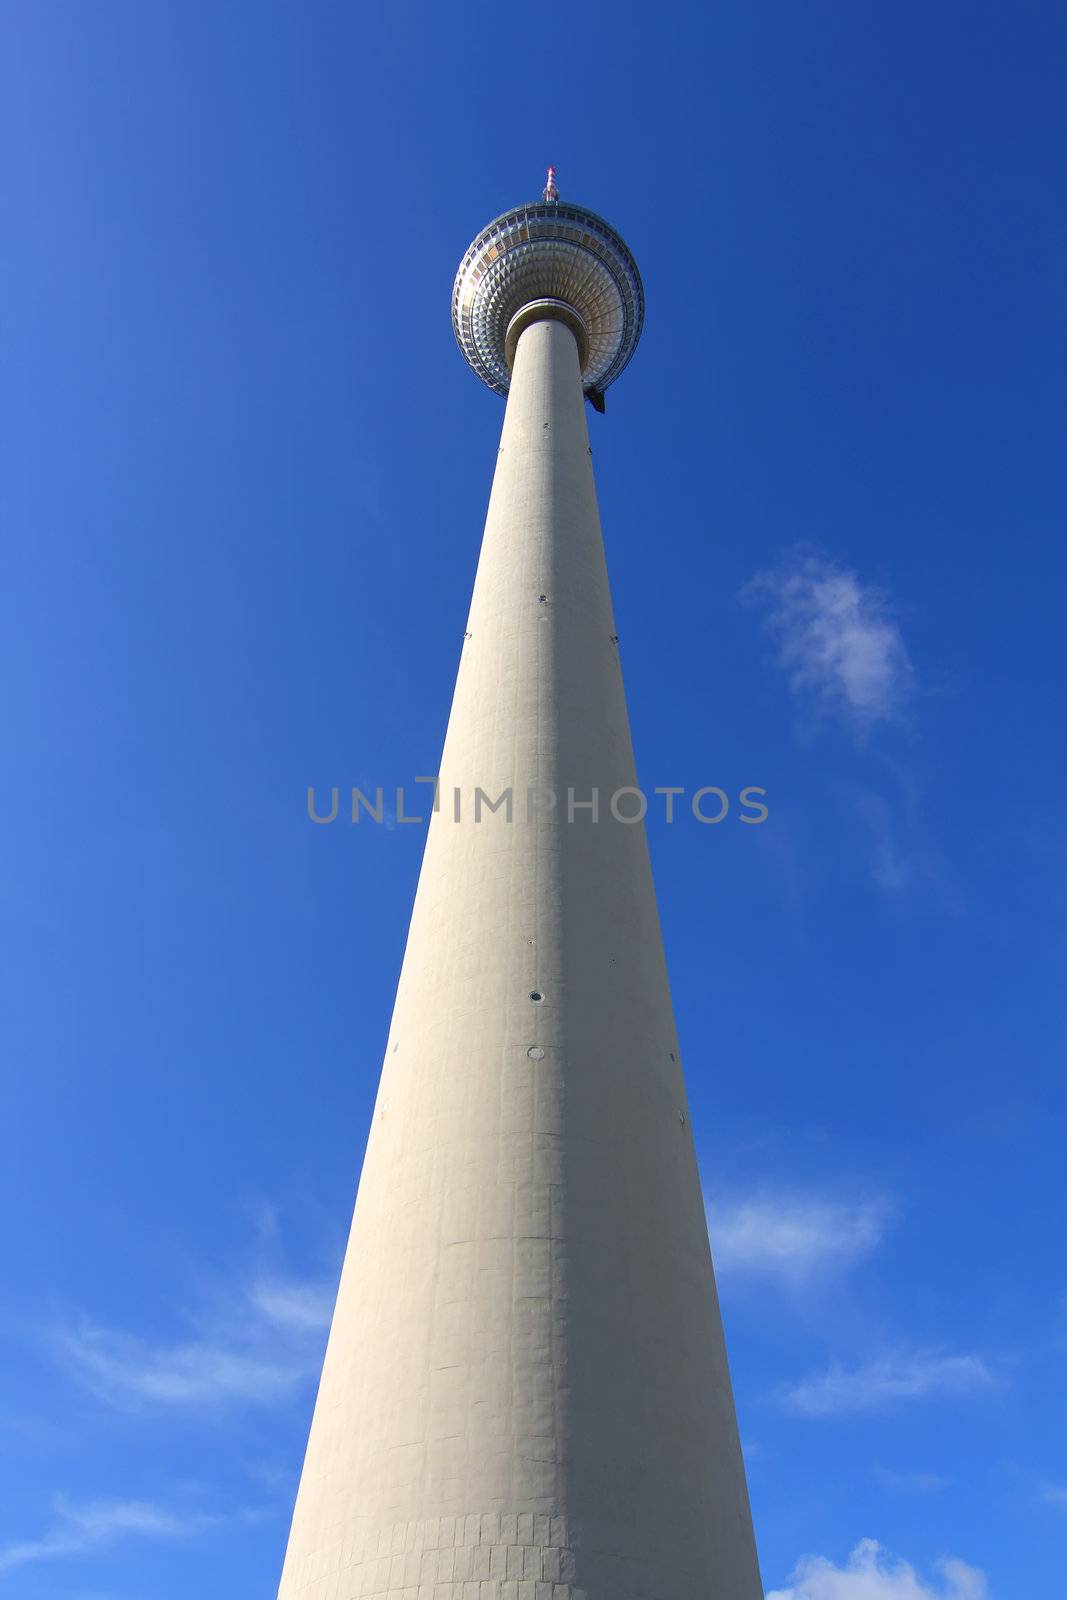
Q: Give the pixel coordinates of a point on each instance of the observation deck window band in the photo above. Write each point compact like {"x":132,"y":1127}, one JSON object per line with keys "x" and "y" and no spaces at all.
{"x":548,"y":310}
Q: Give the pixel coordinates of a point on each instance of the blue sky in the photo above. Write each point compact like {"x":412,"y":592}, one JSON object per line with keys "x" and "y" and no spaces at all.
{"x":243,"y":479}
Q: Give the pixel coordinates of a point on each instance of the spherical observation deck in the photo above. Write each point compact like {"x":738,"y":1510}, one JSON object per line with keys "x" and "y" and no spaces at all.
{"x":559,"y":260}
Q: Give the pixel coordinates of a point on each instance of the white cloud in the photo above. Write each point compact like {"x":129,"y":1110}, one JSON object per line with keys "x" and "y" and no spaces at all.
{"x":839,"y":641}
{"x":871,"y":1574}
{"x":121,"y":1368}
{"x":266,"y":1346}
{"x":889,"y":1379}
{"x":1055,"y":1494}
{"x":78,"y":1529}
{"x":294,"y":1305}
{"x":793,"y":1238}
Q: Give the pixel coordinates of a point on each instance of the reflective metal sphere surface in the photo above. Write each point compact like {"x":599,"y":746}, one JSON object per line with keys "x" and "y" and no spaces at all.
{"x":549,"y":251}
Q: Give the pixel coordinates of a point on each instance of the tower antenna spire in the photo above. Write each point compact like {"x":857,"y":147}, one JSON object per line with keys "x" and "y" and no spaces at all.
{"x":551,"y":192}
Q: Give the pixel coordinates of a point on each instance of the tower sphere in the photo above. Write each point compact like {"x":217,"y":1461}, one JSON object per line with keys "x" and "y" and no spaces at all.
{"x":548,"y":259}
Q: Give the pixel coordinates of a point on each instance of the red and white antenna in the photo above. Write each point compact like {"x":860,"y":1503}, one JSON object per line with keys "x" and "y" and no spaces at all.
{"x":551,"y":192}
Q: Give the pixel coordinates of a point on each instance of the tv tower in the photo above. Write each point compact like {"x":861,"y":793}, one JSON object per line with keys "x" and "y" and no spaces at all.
{"x":525,"y":1394}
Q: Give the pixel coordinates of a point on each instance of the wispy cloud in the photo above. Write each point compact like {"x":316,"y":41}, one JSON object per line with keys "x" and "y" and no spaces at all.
{"x":871,"y":1574}
{"x":793,"y":1238}
{"x":838,"y":639}
{"x":886,"y":1381}
{"x":912,"y":1482}
{"x":265,"y":1346}
{"x":78,"y":1529}
{"x":290,"y":1303}
{"x":122,"y":1369}
{"x":1055,"y":1494}
{"x":902,"y":856}
{"x":894,"y":866}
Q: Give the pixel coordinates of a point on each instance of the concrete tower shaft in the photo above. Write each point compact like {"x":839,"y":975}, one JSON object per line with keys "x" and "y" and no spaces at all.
{"x":526,"y":1383}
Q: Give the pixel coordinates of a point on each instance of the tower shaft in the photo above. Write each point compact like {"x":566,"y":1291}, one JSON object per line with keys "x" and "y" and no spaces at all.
{"x":526,"y":1380}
